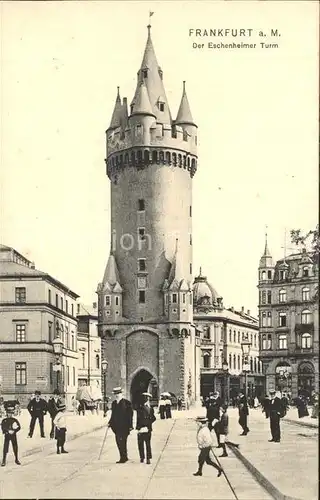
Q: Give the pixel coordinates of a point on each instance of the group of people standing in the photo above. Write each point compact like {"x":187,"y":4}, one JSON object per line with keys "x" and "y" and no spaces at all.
{"x":165,"y":406}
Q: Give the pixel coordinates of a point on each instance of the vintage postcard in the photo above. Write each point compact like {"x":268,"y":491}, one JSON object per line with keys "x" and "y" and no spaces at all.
{"x":159,"y":326}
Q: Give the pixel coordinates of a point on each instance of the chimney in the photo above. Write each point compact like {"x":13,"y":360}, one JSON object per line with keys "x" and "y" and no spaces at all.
{"x":232,"y":309}
{"x":248,"y":312}
{"x":242,"y":310}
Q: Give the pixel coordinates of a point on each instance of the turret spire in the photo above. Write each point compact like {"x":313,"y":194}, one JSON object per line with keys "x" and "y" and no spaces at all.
{"x":117,"y":112}
{"x":142,"y":104}
{"x":184,"y":114}
{"x":111,"y":274}
{"x":176,"y":271}
{"x":266,"y":249}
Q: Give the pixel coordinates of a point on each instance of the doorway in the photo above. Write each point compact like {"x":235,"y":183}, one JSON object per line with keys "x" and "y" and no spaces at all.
{"x":143,"y":381}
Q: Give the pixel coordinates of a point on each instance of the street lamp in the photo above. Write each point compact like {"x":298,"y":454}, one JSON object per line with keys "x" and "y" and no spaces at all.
{"x":57,"y":349}
{"x":225,"y":368}
{"x":245,"y":346}
{"x":104,"y":366}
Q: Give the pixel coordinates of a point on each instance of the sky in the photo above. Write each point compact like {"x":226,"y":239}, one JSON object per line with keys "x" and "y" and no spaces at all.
{"x":256,"y":109}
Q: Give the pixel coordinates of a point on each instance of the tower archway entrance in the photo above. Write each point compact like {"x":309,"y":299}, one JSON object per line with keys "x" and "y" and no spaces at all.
{"x":143,"y":381}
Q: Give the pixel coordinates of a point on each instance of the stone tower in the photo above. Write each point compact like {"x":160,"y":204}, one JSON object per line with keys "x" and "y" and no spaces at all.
{"x":145,"y":298}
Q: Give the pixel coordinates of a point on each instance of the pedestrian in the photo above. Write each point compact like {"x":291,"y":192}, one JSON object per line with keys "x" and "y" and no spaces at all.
{"x":275,"y":410}
{"x":37,"y":407}
{"x":266,"y":405}
{"x":53,"y":403}
{"x":145,"y":419}
{"x":121,"y":422}
{"x":213,"y":413}
{"x":168,"y":407}
{"x":302,"y":407}
{"x":243,"y":414}
{"x":162,"y":407}
{"x":74,"y":404}
{"x":60,"y":423}
{"x":204,"y":440}
{"x":179,"y":403}
{"x":223,"y":429}
{"x":10,"y":426}
{"x":315,"y":405}
{"x":256,"y":403}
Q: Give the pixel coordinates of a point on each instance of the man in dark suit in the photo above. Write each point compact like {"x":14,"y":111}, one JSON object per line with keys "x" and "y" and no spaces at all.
{"x":37,"y":408}
{"x":121,"y":422}
{"x":243,"y":413}
{"x":54,"y":402}
{"x":275,"y":411}
{"x":213,"y":414}
{"x":145,"y":419}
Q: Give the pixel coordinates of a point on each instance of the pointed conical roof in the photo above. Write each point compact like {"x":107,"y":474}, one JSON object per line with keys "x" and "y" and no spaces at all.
{"x":142,"y":104}
{"x":117,"y":112}
{"x":266,"y":259}
{"x":151,"y":73}
{"x":184,"y":114}
{"x":111,"y":274}
{"x":176,"y":271}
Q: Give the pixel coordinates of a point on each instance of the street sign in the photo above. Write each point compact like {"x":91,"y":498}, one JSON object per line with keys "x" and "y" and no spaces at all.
{"x":41,"y":380}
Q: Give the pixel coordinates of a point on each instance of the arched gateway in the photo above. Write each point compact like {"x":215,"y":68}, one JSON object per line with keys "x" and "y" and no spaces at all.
{"x":143,"y":381}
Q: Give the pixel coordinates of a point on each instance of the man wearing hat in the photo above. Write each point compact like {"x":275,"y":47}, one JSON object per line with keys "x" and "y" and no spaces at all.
{"x":204,"y":440}
{"x":37,"y":408}
{"x":53,"y":403}
{"x":243,"y":409}
{"x":10,"y":426}
{"x":275,"y":408}
{"x":60,"y":423}
{"x":121,"y":422}
{"x":145,"y":419}
{"x":213,"y":413}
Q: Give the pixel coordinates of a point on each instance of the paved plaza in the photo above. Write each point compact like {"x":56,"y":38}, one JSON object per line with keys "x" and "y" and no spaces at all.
{"x":259,"y":471}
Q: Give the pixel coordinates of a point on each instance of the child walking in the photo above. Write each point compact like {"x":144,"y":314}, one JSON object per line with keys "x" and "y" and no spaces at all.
{"x":10,"y":426}
{"x":60,"y":423}
{"x":204,"y":440}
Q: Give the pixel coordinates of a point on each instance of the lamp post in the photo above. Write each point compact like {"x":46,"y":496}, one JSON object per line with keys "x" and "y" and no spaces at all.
{"x":104,"y":366}
{"x":225,"y":369}
{"x":57,"y":349}
{"x":245,"y":346}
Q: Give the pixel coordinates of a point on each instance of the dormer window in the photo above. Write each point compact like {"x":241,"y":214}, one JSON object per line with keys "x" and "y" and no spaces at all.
{"x":305,"y":272}
{"x":161,"y":73}
{"x":161,"y":105}
{"x":145,"y":73}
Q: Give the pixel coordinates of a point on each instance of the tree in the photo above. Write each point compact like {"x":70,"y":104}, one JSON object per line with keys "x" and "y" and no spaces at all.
{"x":310,"y":239}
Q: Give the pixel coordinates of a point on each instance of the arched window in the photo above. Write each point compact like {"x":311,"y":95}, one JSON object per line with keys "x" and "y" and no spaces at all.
{"x":282,"y":318}
{"x":263,"y":275}
{"x":206,"y":359}
{"x":234,"y":337}
{"x":306,"y":341}
{"x":168,"y":158}
{"x":154,"y":157}
{"x":282,"y":295}
{"x":263,"y":319}
{"x":146,"y":157}
{"x":282,"y":341}
{"x":180,"y":160}
{"x":174,"y":159}
{"x":306,"y":317}
{"x":263,"y":297}
{"x":234,"y":362}
{"x":185,"y":135}
{"x":305,"y":294}
{"x":193,"y":164}
{"x":98,"y":361}
{"x":161,"y":156}
{"x":269,"y":275}
{"x":305,"y":272}
{"x":188,"y":162}
{"x":230,"y":336}
{"x":238,"y":362}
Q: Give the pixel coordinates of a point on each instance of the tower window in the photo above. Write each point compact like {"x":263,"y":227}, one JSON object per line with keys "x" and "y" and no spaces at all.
{"x":117,"y":301}
{"x":108,"y":300}
{"x":20,"y":294}
{"x":145,"y":73}
{"x":174,"y":298}
{"x":269,"y":275}
{"x":142,"y":296}
{"x":141,"y":205}
{"x":190,"y":211}
{"x":142,"y":264}
{"x":269,"y":297}
{"x":141,"y":233}
{"x":282,"y":319}
{"x":305,"y":272}
{"x":161,"y":106}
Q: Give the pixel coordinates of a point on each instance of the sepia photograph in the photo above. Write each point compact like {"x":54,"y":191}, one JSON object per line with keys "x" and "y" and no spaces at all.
{"x":159,"y":249}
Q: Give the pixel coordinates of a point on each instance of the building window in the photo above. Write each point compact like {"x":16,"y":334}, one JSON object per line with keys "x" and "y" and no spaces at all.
{"x":190,"y":268}
{"x":305,"y":273}
{"x":264,"y":342}
{"x":269,"y":297}
{"x":141,"y":233}
{"x":142,"y":264}
{"x":230,"y":336}
{"x":83,"y":360}
{"x":305,"y":294}
{"x":50,"y":336}
{"x":306,"y":341}
{"x":251,"y":365}
{"x":174,"y":298}
{"x":269,"y":341}
{"x":142,"y":296}
{"x":72,"y":311}
{"x":238,"y":362}
{"x":255,"y":340}
{"x":145,"y":73}
{"x":263,"y":275}
{"x":190,"y":211}
{"x":161,"y":106}
{"x":72,"y":342}
{"x":190,"y":239}
{"x":117,"y":301}
{"x":206,"y":360}
{"x":282,"y":319}
{"x":61,"y":303}
{"x":282,"y":296}
{"x":141,"y":205}
{"x":206,"y":333}
{"x":98,"y":361}
{"x":49,"y":296}
{"x":282,"y":342}
{"x":269,"y":318}
{"x":73,"y":376}
{"x":67,"y":339}
{"x":264,"y":319}
{"x":57,"y":300}
{"x":67,"y":307}
{"x":282,"y":275}
{"x":264,"y":297}
{"x":230,"y":360}
{"x":255,"y":365}
{"x":142,"y":282}
{"x":234,"y":337}
{"x":68,"y":375}
{"x":306,"y":317}
{"x":21,"y":373}
{"x":234,"y":362}
{"x":239,"y":338}
{"x":20,"y":294}
{"x":20,"y":333}
{"x":269,"y":275}
{"x":108,"y":300}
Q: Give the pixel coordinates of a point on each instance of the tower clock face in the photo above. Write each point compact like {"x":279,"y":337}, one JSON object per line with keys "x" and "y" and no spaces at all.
{"x":142,"y":282}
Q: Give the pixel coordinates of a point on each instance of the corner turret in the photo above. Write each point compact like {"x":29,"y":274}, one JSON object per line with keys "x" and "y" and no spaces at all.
{"x":184,"y":117}
{"x":110,"y":293}
{"x":117,"y":113}
{"x":266,"y":266}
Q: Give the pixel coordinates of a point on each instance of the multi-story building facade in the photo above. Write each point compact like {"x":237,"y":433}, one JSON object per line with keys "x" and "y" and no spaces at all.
{"x":35,"y":308}
{"x":89,"y":346}
{"x":289,"y":322}
{"x":221,"y":332}
{"x":145,"y":298}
